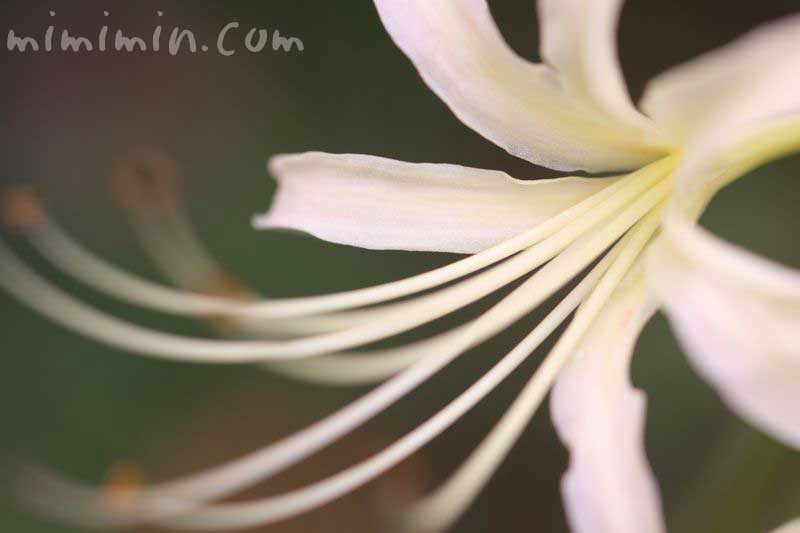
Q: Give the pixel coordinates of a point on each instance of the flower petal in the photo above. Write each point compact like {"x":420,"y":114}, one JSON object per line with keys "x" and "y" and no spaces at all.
{"x":579,"y":39}
{"x":734,"y":108}
{"x":746,"y":81}
{"x":380,"y":203}
{"x":737,"y":316}
{"x":714,"y":160}
{"x":518,"y":105}
{"x":599,"y":416}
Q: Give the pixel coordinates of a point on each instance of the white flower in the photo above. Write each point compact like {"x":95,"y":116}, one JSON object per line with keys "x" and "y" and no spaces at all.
{"x":698,"y":127}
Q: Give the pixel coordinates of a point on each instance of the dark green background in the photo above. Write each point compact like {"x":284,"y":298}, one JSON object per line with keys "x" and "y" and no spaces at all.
{"x":82,"y":407}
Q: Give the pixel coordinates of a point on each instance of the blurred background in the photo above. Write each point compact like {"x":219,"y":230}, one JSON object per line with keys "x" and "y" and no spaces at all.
{"x":69,"y":118}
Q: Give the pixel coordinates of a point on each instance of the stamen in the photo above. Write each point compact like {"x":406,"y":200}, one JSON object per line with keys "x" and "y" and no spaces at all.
{"x":364,"y":367}
{"x":394,"y":319}
{"x":221,"y":292}
{"x":518,"y":303}
{"x":163,"y":501}
{"x":442,"y":508}
{"x":290,"y":504}
{"x":573,"y":243}
{"x":348,"y":369}
{"x":236,"y":515}
{"x":447,"y":346}
{"x":72,"y":258}
{"x":337,"y":370}
{"x":56,"y":245}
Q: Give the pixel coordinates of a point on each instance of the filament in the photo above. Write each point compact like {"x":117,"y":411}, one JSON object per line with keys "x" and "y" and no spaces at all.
{"x":394,"y":319}
{"x":510,"y":309}
{"x":536,"y":289}
{"x":566,"y":245}
{"x":166,"y":501}
{"x":442,"y":508}
{"x":68,"y":255}
{"x":239,"y":515}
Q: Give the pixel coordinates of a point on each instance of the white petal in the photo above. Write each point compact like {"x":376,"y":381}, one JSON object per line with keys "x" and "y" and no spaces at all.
{"x":518,"y":105}
{"x":599,"y":416}
{"x":380,"y":203}
{"x":738,"y":317}
{"x":749,"y":80}
{"x":579,"y":39}
{"x":717,"y":158}
{"x":791,"y":527}
{"x":735,"y":108}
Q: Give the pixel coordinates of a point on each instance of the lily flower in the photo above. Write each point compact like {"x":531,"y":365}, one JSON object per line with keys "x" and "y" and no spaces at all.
{"x":630,"y":240}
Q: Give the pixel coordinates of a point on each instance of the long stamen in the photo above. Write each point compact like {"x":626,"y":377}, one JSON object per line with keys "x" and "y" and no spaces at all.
{"x":519,"y":302}
{"x":536,"y":289}
{"x":61,"y":250}
{"x":573,"y":242}
{"x":164,"y":500}
{"x":394,"y":319}
{"x":442,"y":508}
{"x":169,"y":238}
{"x":71,"y":257}
{"x":496,"y":445}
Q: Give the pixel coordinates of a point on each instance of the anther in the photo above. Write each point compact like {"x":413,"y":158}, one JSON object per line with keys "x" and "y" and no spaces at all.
{"x":223,"y":285}
{"x":146,"y":183}
{"x":123,"y":485}
{"x":21,"y":208}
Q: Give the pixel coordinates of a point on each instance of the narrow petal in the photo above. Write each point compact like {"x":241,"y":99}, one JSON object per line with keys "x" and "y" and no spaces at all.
{"x":599,"y":416}
{"x":737,"y":317}
{"x":579,"y":39}
{"x":520,"y":106}
{"x":379,"y":203}
{"x":746,"y":81}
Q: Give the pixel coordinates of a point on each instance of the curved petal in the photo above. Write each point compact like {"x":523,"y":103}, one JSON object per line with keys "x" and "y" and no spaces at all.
{"x":579,"y":39}
{"x":714,"y":160}
{"x":380,"y":203}
{"x":734,"y":109}
{"x":599,"y":416}
{"x":518,"y":105}
{"x":746,"y":81}
{"x":737,"y":317}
